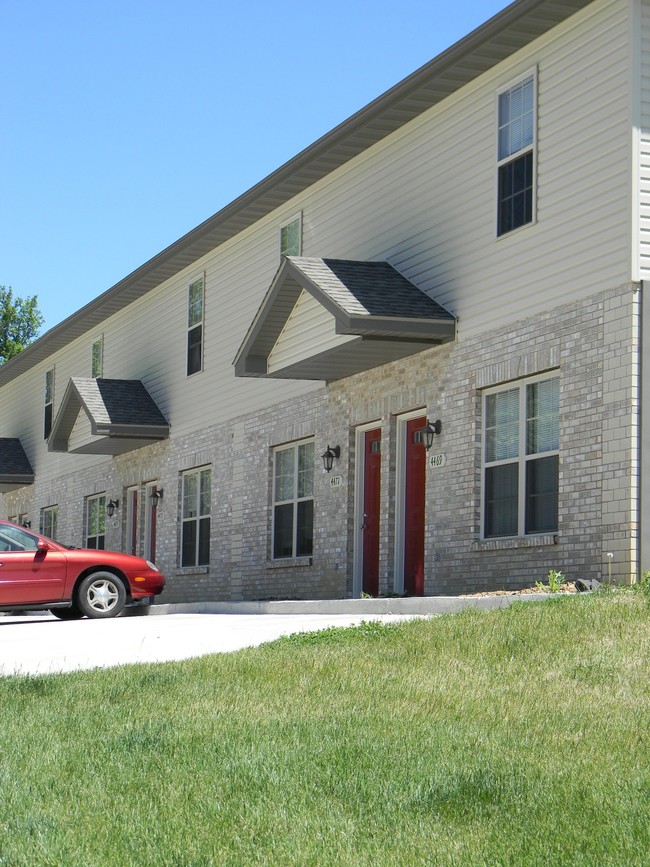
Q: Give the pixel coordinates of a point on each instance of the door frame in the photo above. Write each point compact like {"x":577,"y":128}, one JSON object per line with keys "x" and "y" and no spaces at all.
{"x":400,"y":491}
{"x":359,"y":493}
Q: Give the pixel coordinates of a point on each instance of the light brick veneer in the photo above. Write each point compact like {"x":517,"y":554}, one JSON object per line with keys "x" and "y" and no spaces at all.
{"x":593,"y":343}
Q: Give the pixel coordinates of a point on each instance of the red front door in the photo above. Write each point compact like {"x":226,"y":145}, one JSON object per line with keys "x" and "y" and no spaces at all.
{"x":371,"y":486}
{"x":414,"y":509}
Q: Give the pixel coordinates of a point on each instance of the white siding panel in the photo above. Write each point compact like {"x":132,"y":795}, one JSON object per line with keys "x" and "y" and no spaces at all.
{"x":644,"y":135}
{"x":81,"y":434}
{"x":431,"y":208}
{"x":308,"y":331}
{"x":424,"y":199}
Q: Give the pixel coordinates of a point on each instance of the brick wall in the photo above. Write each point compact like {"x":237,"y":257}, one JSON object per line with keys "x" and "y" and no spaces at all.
{"x":592,"y":343}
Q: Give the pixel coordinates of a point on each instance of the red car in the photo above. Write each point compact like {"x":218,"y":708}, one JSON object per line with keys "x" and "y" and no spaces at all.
{"x":37,"y":573}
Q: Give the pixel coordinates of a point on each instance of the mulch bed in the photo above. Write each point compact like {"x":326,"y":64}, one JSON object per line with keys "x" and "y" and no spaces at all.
{"x":568,"y":587}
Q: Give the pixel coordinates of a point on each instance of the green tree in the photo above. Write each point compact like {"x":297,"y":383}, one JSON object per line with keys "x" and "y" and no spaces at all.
{"x":20,"y":321}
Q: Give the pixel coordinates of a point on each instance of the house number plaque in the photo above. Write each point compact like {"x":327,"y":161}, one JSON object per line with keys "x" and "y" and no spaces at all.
{"x":435,"y":461}
{"x":336,"y":482}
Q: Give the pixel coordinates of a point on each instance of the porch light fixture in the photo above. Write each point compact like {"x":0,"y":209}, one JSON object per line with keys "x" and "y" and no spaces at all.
{"x":429,"y":432}
{"x":111,"y":506}
{"x":328,"y":457}
{"x":156,"y":497}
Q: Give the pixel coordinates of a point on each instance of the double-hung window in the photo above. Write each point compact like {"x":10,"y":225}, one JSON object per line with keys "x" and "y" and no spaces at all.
{"x":97,"y":358}
{"x":291,"y":237}
{"x":293,"y":500}
{"x":96,"y":521}
{"x":516,"y":155}
{"x":195,"y":305}
{"x":50,"y":521}
{"x":521,"y":454}
{"x":49,"y":403}
{"x":195,"y":522}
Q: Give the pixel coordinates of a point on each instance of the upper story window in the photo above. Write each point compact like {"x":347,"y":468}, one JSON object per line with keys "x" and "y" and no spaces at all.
{"x":517,"y":113}
{"x":195,"y":523}
{"x":97,"y":360}
{"x":293,"y":500}
{"x":50,"y":521}
{"x":195,"y":303}
{"x":521,"y":455}
{"x":49,"y":403}
{"x":95,"y":522}
{"x":291,"y":238}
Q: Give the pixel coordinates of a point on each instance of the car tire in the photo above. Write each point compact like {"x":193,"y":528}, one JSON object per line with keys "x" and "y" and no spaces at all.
{"x":101,"y":595}
{"x":71,"y":613}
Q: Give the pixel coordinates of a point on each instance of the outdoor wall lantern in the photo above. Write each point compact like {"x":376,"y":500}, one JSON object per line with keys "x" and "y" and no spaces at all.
{"x":156,"y":497}
{"x":111,"y":506}
{"x":328,"y":457}
{"x":430,"y":431}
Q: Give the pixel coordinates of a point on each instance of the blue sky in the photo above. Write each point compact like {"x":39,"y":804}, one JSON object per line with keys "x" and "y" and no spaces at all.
{"x":126,"y":123}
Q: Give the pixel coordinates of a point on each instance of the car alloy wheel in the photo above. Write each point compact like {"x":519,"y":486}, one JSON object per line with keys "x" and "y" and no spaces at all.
{"x":101,"y":595}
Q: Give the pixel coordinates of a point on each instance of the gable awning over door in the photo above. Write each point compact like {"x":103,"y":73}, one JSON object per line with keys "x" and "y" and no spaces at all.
{"x":330,"y":318}
{"x":106,"y":417}
{"x":15,"y":469}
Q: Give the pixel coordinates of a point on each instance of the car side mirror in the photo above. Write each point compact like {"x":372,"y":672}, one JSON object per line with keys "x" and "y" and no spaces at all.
{"x":42,"y":546}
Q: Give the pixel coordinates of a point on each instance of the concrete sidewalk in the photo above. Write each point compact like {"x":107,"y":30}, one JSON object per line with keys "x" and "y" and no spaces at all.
{"x":34,"y":643}
{"x":411,"y":605}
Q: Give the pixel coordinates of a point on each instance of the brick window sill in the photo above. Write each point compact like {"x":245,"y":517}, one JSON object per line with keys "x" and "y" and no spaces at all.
{"x":192,"y":570}
{"x":289,"y":563}
{"x":540,"y":541}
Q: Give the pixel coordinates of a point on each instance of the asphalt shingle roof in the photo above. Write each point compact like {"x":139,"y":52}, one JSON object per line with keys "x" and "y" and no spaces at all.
{"x":13,"y":460}
{"x":372,"y":288}
{"x":119,"y":402}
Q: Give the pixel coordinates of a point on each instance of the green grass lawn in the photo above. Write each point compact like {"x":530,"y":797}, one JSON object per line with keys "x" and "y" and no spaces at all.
{"x":518,"y":736}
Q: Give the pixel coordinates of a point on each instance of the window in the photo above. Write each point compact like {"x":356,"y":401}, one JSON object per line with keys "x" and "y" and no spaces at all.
{"x":291,"y":238}
{"x":516,"y":164}
{"x":50,"y":521}
{"x":49,"y":403}
{"x":195,"y":326}
{"x":95,"y":521}
{"x":97,"y":361}
{"x":293,"y":500}
{"x":521,"y":442}
{"x":195,"y":524}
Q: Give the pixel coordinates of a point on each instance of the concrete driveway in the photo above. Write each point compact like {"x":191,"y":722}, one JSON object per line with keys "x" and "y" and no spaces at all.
{"x":41,"y":644}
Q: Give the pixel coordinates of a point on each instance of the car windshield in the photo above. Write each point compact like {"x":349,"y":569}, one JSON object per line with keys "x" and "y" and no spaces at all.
{"x":15,"y":539}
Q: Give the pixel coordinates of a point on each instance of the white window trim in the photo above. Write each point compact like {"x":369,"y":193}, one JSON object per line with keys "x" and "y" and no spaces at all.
{"x":199,"y":276}
{"x":197,"y":519}
{"x":52,"y":511}
{"x":87,"y":534}
{"x":531,"y":147}
{"x":50,"y":402}
{"x":99,"y":341}
{"x":296,"y":218}
{"x":521,"y":459}
{"x":295,"y":500}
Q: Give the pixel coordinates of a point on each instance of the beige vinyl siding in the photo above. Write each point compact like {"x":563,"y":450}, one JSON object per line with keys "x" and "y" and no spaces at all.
{"x":309,"y":331}
{"x":644,"y":144}
{"x":644,"y":273}
{"x":425,"y":200}
{"x":81,"y":434}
